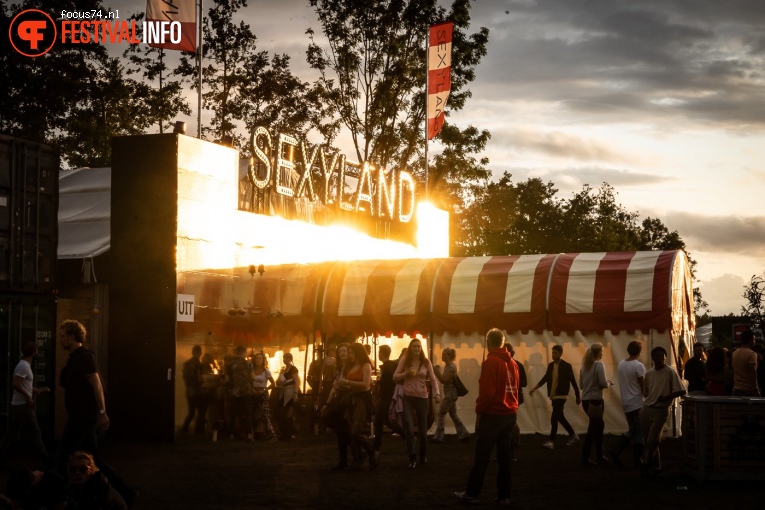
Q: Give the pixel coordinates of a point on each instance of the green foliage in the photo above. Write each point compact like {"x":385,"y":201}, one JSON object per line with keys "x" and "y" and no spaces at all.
{"x":227,"y":45}
{"x":754,"y":293}
{"x":372,"y":79}
{"x":165,"y":101}
{"x":76,"y":96}
{"x":506,"y":218}
{"x":246,"y":87}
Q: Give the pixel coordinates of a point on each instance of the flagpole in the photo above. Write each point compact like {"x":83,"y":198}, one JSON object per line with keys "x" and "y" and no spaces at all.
{"x":199,"y":92}
{"x":427,"y":80}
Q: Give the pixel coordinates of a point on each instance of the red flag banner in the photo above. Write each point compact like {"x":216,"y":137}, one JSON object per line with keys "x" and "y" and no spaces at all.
{"x":171,"y":24}
{"x":439,"y":74}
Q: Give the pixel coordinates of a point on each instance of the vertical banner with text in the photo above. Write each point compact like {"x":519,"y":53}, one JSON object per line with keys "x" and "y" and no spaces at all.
{"x":439,"y":74}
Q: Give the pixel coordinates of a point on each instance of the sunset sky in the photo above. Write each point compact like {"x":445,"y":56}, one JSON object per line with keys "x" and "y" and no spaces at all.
{"x":662,"y":99}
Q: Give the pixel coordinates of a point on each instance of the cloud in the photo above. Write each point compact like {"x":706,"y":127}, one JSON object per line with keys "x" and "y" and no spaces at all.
{"x":573,"y":179}
{"x":556,"y":144}
{"x":719,"y":234}
{"x":724,"y":294}
{"x":653,"y":59}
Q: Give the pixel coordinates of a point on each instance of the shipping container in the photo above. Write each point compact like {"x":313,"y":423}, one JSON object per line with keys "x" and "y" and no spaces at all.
{"x":23,"y":318}
{"x":28,"y":215}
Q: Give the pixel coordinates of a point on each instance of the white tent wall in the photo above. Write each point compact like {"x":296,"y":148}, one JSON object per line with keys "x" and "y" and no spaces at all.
{"x":533,"y":351}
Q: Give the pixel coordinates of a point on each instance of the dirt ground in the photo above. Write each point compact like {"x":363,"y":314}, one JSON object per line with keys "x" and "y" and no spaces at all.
{"x":192,"y":473}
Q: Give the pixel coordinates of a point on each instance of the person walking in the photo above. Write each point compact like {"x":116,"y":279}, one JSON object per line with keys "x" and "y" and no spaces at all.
{"x":631,"y":376}
{"x":496,"y":410}
{"x":85,"y":406}
{"x":192,"y":379}
{"x":559,"y":378}
{"x":360,"y":409}
{"x":592,"y":379}
{"x":23,"y":419}
{"x":449,"y":404}
{"x":662,"y":386}
{"x":385,"y":389}
{"x":333,"y":409}
{"x":413,"y":370}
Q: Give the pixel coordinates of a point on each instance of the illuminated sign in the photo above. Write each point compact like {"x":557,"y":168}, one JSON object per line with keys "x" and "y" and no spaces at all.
{"x":294,"y":169}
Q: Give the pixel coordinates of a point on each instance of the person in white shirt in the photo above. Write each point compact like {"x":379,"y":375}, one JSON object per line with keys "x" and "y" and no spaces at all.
{"x":631,"y":373}
{"x":662,"y":386}
{"x":23,"y":417}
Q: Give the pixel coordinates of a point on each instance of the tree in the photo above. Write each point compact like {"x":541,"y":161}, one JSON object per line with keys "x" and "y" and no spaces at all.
{"x":273,"y":97}
{"x":594,"y":221}
{"x":527,"y":217}
{"x":507,"y":218}
{"x":108,"y":106}
{"x":754,"y":293}
{"x":165,"y":101}
{"x":76,"y":96}
{"x":227,"y":46}
{"x":372,"y":76}
{"x":247,"y":87}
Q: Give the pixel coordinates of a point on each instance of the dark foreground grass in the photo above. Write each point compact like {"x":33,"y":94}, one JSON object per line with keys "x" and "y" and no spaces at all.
{"x":199,"y":474}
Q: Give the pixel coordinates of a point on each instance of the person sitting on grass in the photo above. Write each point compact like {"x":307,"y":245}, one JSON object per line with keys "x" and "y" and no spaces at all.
{"x":88,"y":487}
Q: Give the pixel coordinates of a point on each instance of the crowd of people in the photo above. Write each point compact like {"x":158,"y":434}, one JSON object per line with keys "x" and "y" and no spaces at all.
{"x":356,"y":401}
{"x":240,"y":397}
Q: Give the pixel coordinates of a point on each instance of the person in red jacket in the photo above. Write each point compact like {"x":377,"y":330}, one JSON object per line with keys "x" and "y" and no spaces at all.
{"x":496,"y":408}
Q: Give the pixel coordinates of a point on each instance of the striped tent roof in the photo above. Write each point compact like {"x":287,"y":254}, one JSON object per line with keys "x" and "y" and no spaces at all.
{"x":586,"y":292}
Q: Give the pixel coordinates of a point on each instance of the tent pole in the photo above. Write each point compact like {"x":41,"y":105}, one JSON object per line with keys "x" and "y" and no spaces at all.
{"x":201,"y":53}
{"x":430,"y":344}
{"x":310,"y":339}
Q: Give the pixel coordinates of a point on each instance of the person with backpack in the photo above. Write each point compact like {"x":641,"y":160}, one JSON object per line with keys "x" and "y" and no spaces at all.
{"x":240,"y":377}
{"x":449,"y":404}
{"x":192,"y":379}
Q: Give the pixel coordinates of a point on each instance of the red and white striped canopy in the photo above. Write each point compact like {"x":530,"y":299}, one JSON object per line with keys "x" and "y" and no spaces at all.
{"x":586,"y":292}
{"x":389,"y":296}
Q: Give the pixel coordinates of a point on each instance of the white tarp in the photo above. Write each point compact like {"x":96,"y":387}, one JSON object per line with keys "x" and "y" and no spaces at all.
{"x":533,"y":351}
{"x":84,"y":212}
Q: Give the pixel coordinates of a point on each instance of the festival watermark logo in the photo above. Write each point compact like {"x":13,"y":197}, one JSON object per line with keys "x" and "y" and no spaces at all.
{"x":32,"y":33}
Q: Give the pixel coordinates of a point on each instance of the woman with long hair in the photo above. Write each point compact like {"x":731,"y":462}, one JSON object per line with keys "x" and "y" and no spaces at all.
{"x":289,"y":382}
{"x":449,"y":404}
{"x":592,"y":379}
{"x":261,"y":408}
{"x":333,"y":409}
{"x":358,"y":413}
{"x":413,"y":371}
